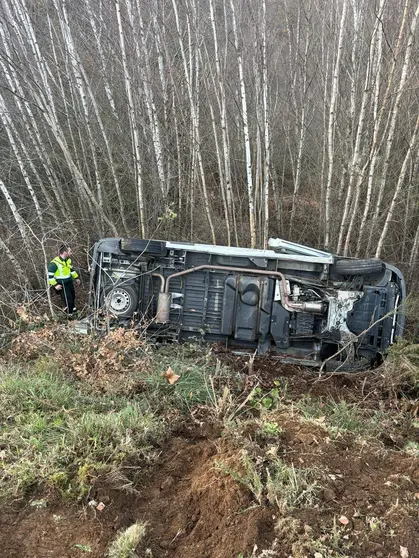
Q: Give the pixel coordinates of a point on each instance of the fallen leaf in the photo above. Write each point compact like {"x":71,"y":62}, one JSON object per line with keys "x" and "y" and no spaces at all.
{"x":344,"y":520}
{"x":404,"y":553}
{"x":100,"y":506}
{"x":170,"y":375}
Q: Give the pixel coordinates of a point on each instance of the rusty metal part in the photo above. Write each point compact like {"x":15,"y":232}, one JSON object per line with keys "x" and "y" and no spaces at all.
{"x":163,"y":307}
{"x":162,"y":280}
{"x":286,"y":303}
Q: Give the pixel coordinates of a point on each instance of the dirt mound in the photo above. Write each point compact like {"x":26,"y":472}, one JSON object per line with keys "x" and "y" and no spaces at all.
{"x":190,"y":508}
{"x":375,"y":489}
{"x":194,"y":510}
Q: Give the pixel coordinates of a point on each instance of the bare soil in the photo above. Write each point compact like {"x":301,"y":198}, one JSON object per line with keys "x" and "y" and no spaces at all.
{"x":193,"y":510}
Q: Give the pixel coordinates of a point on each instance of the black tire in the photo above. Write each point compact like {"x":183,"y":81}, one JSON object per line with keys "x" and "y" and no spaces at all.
{"x":361,"y":365}
{"x":121,"y":300}
{"x":145,"y":247}
{"x":358,"y":267}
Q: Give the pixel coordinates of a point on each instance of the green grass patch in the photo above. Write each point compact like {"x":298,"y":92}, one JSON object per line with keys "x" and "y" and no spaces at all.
{"x":194,"y":366}
{"x":58,"y":431}
{"x":126,"y":542}
{"x":274,"y":481}
{"x":340,"y":417}
{"x":61,"y":431}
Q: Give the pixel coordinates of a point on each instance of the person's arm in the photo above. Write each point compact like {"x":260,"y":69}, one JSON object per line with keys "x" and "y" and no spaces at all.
{"x":52,"y":268}
{"x":74,"y":273}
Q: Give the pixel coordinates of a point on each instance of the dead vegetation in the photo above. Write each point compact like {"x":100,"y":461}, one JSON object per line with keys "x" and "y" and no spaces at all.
{"x":182,"y":452}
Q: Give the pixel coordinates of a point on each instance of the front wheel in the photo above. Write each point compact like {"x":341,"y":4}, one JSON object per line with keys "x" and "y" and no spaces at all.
{"x":358,"y":267}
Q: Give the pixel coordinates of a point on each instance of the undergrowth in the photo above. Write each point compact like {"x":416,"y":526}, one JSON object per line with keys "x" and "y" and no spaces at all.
{"x":92,"y":406}
{"x":272,"y":480}
{"x":61,"y":433}
{"x":97,"y":409}
{"x":340,"y":417}
{"x":127,"y":541}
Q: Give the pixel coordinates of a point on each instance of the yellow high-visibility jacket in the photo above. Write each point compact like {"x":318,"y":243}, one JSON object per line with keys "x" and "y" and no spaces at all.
{"x":60,"y":271}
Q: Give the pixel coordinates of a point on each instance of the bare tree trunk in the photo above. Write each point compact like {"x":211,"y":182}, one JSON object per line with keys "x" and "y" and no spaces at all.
{"x":332,"y":123}
{"x":19,"y":271}
{"x":267,"y":136}
{"x":149,"y":99}
{"x":195,"y":119}
{"x":245,"y":132}
{"x":372,"y":157}
{"x":16,"y":215}
{"x":399,"y":185}
{"x":356,"y":173}
{"x":11,"y":134}
{"x":221,"y":168}
{"x":226,"y":171}
{"x":301,"y":128}
{"x":135,"y":136}
{"x":393,"y":118}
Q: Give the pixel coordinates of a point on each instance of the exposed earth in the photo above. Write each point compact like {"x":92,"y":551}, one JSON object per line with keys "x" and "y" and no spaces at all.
{"x":366,"y":500}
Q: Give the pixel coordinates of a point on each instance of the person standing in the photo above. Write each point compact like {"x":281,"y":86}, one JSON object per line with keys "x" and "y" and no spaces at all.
{"x":61,"y":277}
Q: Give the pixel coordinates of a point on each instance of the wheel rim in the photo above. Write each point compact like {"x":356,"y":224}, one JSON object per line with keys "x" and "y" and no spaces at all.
{"x":119,"y":300}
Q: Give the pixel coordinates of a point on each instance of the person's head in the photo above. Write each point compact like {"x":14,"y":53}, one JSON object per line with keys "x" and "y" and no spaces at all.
{"x":65,"y":251}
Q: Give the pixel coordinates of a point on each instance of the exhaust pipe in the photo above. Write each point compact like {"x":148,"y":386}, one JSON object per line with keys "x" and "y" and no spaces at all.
{"x":163,"y":307}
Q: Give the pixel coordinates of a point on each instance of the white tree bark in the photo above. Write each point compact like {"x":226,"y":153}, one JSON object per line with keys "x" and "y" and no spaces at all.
{"x":196,"y":139}
{"x":20,"y":274}
{"x":267,"y":134}
{"x":400,"y":182}
{"x":143,"y":54}
{"x":332,"y":124}
{"x":356,"y":172}
{"x":16,"y":215}
{"x":393,"y":119}
{"x":135,"y":136}
{"x":226,"y":171}
{"x":244,"y":117}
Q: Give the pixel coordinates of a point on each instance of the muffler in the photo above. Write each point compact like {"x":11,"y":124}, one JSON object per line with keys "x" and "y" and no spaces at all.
{"x":163,"y":307}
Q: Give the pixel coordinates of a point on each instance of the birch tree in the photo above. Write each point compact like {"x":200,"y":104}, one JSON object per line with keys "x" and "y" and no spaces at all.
{"x":135,"y":136}
{"x":393,"y":119}
{"x":411,"y":147}
{"x":245,"y":124}
{"x":196,"y":138}
{"x":332,"y":124}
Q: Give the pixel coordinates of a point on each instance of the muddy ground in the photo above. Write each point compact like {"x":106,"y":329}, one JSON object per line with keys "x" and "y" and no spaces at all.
{"x":367,"y":503}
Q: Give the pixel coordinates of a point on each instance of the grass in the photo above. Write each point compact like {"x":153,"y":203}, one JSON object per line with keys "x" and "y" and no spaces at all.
{"x":401,"y":370}
{"x":341,"y":417}
{"x":59,"y":432}
{"x":274,"y":481}
{"x":248,"y":475}
{"x":63,"y":433}
{"x":126,"y":542}
{"x":195,"y":368}
{"x":290,"y":487}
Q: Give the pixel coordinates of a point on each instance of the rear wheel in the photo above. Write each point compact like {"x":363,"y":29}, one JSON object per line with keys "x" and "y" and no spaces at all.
{"x":358,"y":267}
{"x":121,"y":301}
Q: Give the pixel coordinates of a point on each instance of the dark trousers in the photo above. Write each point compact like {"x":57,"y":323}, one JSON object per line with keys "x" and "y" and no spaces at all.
{"x":68,"y":296}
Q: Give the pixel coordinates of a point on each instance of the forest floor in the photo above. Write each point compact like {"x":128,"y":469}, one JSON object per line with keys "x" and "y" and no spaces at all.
{"x":101,"y":455}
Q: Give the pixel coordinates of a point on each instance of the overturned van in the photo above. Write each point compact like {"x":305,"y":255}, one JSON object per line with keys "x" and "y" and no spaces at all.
{"x":304,"y":305}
